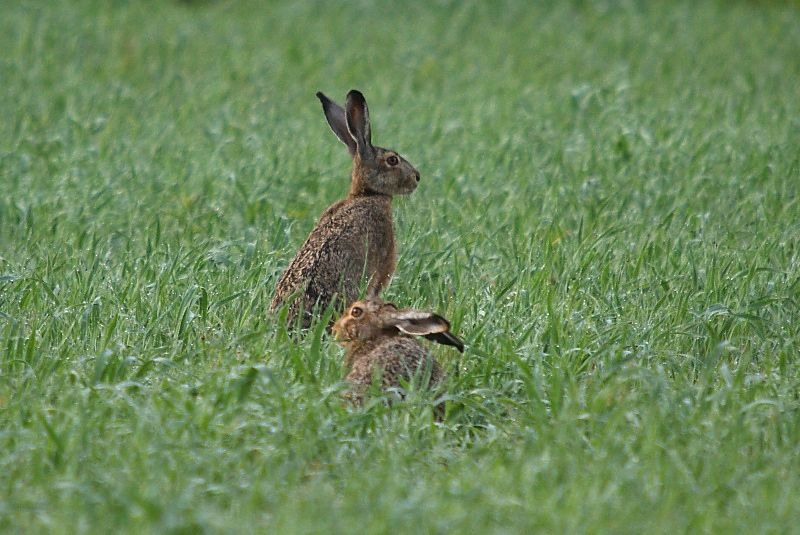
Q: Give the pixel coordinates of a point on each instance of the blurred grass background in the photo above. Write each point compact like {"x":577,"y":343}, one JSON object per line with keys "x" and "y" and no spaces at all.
{"x":608,"y":214}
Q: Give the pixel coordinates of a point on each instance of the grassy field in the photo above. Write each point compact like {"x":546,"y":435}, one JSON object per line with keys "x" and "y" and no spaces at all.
{"x":608,"y":214}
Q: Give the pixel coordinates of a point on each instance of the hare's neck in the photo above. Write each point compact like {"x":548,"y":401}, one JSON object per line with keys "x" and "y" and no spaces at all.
{"x":357,"y":190}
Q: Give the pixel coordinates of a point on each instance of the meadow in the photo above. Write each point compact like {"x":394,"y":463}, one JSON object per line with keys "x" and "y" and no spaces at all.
{"x":608,"y":214}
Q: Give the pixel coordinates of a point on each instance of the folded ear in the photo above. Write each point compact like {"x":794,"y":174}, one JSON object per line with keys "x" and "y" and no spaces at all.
{"x":372,"y":293}
{"x":337,"y":121}
{"x":431,"y":326}
{"x":357,"y":115}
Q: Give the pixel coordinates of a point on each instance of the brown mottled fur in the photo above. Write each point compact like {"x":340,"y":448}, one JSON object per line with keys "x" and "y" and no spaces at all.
{"x":353,"y":240}
{"x":378,"y":338}
{"x":397,"y":359}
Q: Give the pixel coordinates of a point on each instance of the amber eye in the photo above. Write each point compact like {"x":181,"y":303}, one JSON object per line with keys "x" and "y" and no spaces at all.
{"x":392,"y":160}
{"x":356,"y":312}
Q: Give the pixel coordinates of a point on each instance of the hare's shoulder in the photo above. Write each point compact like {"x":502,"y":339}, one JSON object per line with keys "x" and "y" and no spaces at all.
{"x":402,"y":347}
{"x":403,"y":357}
{"x":331,"y":210}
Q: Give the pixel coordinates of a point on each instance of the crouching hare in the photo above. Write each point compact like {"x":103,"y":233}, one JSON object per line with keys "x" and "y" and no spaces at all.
{"x":381,"y":339}
{"x":354,"y":238}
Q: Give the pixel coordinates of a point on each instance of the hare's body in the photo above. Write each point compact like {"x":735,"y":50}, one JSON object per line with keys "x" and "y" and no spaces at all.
{"x":340,"y":253}
{"x":396,"y":360}
{"x":353,"y":242}
{"x":379,"y":341}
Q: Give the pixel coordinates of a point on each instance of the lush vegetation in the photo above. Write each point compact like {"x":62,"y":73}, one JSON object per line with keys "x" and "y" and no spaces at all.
{"x":608,"y":214}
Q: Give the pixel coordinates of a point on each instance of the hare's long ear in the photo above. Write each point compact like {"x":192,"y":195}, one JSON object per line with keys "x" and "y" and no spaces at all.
{"x":372,"y":293}
{"x":431,"y":326}
{"x":337,"y":121}
{"x":357,"y":115}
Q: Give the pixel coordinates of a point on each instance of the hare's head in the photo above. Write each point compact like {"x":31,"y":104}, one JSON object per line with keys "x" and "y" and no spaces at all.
{"x":372,"y":317}
{"x":375,"y":169}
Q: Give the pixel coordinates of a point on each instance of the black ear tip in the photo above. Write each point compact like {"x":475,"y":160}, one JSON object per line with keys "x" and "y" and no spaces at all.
{"x":446,"y":338}
{"x":454,"y":340}
{"x":321,"y":96}
{"x":356,"y":95}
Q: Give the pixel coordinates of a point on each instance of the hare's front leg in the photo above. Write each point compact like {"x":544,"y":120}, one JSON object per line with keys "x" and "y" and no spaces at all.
{"x":382,"y":275}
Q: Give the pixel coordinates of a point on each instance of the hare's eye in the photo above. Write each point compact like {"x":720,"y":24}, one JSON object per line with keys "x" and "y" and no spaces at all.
{"x":356,"y":312}
{"x":392,"y":160}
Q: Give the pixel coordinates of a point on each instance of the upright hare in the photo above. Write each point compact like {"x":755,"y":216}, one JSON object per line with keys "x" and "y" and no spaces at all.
{"x":354,"y":238}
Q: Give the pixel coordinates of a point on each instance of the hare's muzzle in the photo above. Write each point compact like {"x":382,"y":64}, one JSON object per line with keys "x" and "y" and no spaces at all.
{"x":410,"y":183}
{"x":338,"y":330}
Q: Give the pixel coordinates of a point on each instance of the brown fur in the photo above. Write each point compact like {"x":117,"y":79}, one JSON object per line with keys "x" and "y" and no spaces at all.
{"x":353,"y":241}
{"x":375,"y":335}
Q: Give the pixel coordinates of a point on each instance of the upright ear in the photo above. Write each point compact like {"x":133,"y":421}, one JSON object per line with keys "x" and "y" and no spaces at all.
{"x":357,"y":115}
{"x":337,"y":121}
{"x":372,"y":293}
{"x":431,"y":326}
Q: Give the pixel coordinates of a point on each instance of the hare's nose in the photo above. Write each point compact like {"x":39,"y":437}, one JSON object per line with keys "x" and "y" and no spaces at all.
{"x":416,"y":176}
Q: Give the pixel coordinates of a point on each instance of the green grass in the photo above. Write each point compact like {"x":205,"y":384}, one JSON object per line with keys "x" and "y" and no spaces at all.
{"x":608,"y":214}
